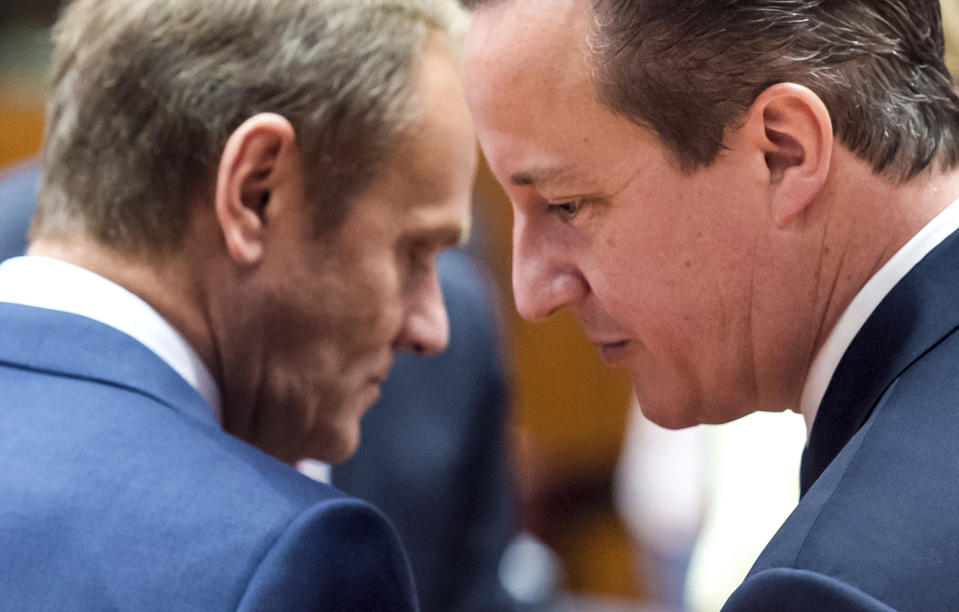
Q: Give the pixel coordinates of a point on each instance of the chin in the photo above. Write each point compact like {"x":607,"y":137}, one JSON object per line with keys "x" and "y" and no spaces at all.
{"x":669,"y":419}
{"x":336,"y":446}
{"x":677,"y":415}
{"x":671,"y":410}
{"x":681,"y":402}
{"x":335,"y":435}
{"x":664,"y":398}
{"x":339,"y":454}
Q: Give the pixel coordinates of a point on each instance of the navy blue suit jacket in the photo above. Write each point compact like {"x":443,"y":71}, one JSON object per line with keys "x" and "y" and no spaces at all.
{"x":118,"y":490}
{"x":877,"y":527}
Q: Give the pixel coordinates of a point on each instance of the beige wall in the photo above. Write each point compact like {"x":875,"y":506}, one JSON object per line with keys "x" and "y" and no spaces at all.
{"x":950,"y":24}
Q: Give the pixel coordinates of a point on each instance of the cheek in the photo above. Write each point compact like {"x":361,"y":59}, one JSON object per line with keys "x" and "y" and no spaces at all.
{"x":631,"y":274}
{"x":661,"y":302}
{"x":376,"y":311}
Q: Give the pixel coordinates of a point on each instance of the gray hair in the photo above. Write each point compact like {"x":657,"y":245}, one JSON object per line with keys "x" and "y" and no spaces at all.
{"x":145,"y":95}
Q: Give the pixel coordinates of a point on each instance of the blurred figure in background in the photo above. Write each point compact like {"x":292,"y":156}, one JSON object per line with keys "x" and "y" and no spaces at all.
{"x":703,"y":502}
{"x":433,"y":456}
{"x":18,"y":196}
{"x":660,"y":491}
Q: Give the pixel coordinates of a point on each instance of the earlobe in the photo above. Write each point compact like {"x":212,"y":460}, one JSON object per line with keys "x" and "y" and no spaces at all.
{"x":255,"y":163}
{"x":797,"y":143}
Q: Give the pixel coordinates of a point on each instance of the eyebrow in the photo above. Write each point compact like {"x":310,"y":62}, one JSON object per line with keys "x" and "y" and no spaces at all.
{"x":447,"y":236}
{"x":537,"y":176}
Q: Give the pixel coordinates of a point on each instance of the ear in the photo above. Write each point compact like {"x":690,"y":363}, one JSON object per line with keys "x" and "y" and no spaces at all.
{"x":795,"y":134}
{"x":257,"y":160}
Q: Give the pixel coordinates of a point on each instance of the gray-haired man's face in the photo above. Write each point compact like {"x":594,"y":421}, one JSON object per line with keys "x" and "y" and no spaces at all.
{"x":344,"y":303}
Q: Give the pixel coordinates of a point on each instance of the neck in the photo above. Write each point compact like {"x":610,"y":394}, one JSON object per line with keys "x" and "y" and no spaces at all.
{"x":164,"y":282}
{"x":867,"y":221}
{"x":859,"y":223}
{"x":814,"y":268}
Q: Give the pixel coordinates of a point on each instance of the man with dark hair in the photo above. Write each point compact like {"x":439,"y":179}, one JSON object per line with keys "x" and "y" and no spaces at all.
{"x":750,"y":206}
{"x":236,"y":229}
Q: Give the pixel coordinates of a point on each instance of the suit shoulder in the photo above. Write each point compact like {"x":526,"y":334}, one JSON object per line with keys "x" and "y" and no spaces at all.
{"x":342,"y":554}
{"x":880,"y":517}
{"x":796,"y":590}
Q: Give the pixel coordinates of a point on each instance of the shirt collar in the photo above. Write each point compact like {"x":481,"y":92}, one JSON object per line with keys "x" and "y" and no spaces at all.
{"x":866,"y":301}
{"x":49,"y":283}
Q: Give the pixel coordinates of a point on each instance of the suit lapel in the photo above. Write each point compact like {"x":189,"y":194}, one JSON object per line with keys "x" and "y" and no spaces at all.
{"x":71,"y":345}
{"x":919,"y":311}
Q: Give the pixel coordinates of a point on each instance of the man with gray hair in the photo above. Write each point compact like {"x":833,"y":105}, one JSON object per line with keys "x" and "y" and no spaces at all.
{"x":752,"y":205}
{"x":237,"y":227}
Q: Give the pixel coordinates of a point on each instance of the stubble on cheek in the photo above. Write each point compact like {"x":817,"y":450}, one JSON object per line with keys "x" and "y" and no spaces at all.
{"x":295,"y":416}
{"x":295,"y":387}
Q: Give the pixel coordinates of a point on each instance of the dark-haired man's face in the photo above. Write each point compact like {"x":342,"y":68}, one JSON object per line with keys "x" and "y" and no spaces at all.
{"x":659,"y":265}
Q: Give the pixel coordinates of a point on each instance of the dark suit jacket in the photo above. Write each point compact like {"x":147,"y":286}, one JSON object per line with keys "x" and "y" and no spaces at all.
{"x":877,"y":527}
{"x":18,"y":193}
{"x":432,"y":455}
{"x":118,"y":491}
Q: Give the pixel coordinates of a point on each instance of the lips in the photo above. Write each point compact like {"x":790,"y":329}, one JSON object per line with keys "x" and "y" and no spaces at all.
{"x":612,"y":350}
{"x":382,"y":369}
{"x":372,"y":389}
{"x":370,"y":393}
{"x":611,"y":339}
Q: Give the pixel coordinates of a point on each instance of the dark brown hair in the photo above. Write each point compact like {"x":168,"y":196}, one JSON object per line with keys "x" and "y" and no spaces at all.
{"x":689,"y":69}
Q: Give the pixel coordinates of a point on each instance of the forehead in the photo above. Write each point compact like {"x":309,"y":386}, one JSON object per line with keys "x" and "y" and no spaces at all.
{"x":427,"y":181}
{"x":530,"y":88}
{"x":522,"y":46}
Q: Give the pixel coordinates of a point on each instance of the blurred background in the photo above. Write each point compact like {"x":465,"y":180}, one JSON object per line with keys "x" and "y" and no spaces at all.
{"x":621,"y":515}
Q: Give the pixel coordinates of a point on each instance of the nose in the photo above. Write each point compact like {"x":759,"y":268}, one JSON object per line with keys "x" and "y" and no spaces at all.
{"x":426,"y":328}
{"x":545,"y":277}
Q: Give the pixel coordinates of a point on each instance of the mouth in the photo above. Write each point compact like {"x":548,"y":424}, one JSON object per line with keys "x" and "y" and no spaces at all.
{"x":373,"y":383}
{"x":371,"y":392}
{"x":376,"y":381}
{"x":612,"y":351}
{"x":379,"y":374}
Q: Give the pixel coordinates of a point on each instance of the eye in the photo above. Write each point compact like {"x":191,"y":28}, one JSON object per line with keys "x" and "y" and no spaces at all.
{"x":567,"y":210}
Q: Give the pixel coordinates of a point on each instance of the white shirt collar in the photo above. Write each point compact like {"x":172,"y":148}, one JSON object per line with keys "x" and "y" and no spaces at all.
{"x":866,"y":301}
{"x":315,"y":469}
{"x":56,"y":285}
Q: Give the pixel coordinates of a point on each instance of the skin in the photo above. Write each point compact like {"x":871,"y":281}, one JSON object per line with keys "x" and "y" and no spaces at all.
{"x":299,"y":330}
{"x":713,"y":288}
